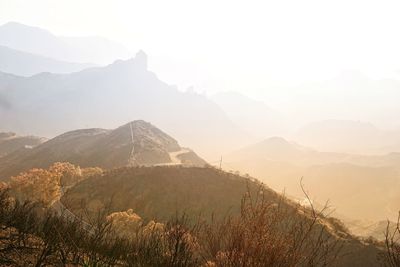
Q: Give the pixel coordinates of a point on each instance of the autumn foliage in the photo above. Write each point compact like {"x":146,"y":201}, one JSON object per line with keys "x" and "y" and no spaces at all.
{"x":36,"y":185}
{"x":46,"y":186}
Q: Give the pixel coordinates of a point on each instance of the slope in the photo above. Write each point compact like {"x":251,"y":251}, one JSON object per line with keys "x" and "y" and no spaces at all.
{"x":160,"y":192}
{"x":135,"y":143}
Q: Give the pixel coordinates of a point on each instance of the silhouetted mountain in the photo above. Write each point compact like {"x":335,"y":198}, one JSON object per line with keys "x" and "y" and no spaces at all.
{"x":10,"y":142}
{"x":71,"y":49}
{"x":26,"y":64}
{"x":109,"y":96}
{"x":135,"y":143}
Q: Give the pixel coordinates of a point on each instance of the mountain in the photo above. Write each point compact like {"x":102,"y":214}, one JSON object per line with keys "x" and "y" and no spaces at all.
{"x":136,"y":143}
{"x":375,"y":229}
{"x":160,"y":192}
{"x":349,"y":96}
{"x":11,"y":142}
{"x":347,"y":136}
{"x":26,"y":64}
{"x":109,"y":96}
{"x":254,"y":116}
{"x":278,"y":149}
{"x":336,"y":177}
{"x":97,"y":49}
{"x":38,"y":41}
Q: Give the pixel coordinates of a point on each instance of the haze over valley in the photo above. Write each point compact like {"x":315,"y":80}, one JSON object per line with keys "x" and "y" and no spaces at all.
{"x":187,"y":134}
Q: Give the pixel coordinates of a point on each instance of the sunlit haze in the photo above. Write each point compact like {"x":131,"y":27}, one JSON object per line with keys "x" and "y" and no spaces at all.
{"x":247,"y":46}
{"x":246,"y":117}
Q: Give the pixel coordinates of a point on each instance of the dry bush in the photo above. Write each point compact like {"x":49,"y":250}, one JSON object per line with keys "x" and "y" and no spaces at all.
{"x":46,"y":186}
{"x":36,"y":185}
{"x":31,"y":236}
{"x":266,"y":233}
{"x":128,"y":224}
{"x":392,"y":244}
{"x":125,"y":223}
{"x":69,"y":174}
{"x":269,"y":233}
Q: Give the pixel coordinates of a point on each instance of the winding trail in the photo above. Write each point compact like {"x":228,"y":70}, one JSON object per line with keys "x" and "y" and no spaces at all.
{"x":174,"y":158}
{"x":132,"y":159}
{"x":64,"y":212}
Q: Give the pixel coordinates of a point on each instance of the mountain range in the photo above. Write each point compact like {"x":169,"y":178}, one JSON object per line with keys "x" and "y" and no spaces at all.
{"x":357,"y":186}
{"x":41,"y":42}
{"x":109,"y":96}
{"x":27,"y":64}
{"x":348,"y":136}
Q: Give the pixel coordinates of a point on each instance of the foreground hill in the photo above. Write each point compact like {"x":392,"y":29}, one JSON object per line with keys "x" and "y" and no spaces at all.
{"x":11,"y":142}
{"x":159,"y":192}
{"x":26,"y":64}
{"x":135,"y":143}
{"x":348,"y":181}
{"x":120,"y":92}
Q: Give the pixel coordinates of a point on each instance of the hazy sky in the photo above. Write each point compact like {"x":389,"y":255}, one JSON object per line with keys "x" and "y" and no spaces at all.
{"x":241,"y":45}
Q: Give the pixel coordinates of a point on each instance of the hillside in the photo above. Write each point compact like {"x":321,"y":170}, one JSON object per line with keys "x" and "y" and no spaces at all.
{"x":26,"y":64}
{"x":135,"y":143}
{"x":336,"y":177}
{"x":120,"y":92}
{"x":11,"y":142}
{"x":159,"y":192}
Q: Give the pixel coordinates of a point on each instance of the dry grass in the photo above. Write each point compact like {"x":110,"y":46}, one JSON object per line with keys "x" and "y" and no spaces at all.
{"x":264,"y":234}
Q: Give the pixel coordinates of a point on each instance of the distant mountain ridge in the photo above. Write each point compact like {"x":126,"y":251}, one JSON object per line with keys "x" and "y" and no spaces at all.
{"x":38,"y":41}
{"x":254,"y":116}
{"x":348,"y":136}
{"x":134,"y":144}
{"x":348,"y":181}
{"x":11,"y":142}
{"x":27,"y":64}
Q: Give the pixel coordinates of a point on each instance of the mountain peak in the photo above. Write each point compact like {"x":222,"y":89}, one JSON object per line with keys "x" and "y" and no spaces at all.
{"x":14,"y":24}
{"x":23,"y":30}
{"x":138,"y":63}
{"x":141,"y":59}
{"x":136,"y":122}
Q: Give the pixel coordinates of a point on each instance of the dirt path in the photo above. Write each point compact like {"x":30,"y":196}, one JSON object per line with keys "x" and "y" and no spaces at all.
{"x":174,"y":158}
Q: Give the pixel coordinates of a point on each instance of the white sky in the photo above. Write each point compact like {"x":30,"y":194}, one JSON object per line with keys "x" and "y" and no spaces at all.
{"x":241,"y":45}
